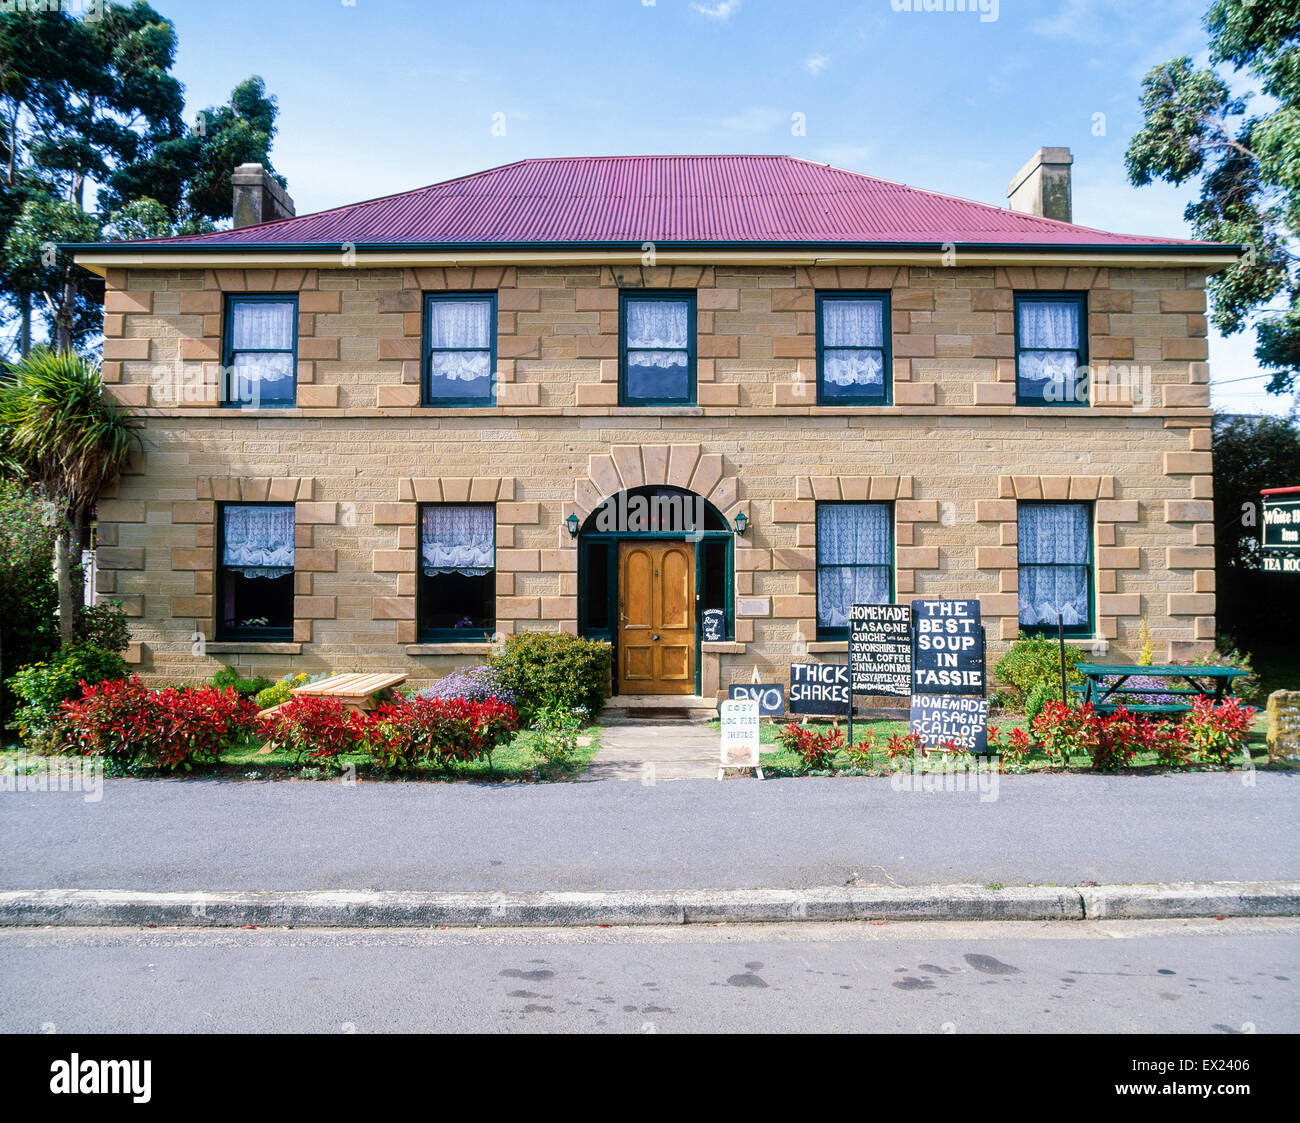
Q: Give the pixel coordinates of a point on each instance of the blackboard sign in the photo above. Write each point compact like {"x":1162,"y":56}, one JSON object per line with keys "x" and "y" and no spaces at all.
{"x":880,"y":649}
{"x":948,"y":647}
{"x":770,"y":696}
{"x":1281,"y":522}
{"x":937,"y":718}
{"x":819,"y":688}
{"x":714,"y":623}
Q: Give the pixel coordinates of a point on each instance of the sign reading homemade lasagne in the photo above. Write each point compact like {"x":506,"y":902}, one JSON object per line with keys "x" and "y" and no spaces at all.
{"x":880,"y":649}
{"x":948,"y":647}
{"x":944,"y":719}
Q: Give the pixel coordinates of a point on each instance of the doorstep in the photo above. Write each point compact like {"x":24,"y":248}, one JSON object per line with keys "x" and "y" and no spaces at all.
{"x":657,"y":709}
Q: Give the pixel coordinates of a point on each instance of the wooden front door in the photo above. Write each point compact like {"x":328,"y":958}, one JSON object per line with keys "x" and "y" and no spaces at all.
{"x":656,"y":617}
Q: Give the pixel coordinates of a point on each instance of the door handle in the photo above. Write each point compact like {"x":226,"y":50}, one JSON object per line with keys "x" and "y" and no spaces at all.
{"x":655,"y":637}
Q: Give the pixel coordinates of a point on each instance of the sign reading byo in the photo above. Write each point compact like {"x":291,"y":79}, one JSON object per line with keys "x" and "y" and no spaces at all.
{"x":948,"y":647}
{"x":739,"y":733}
{"x":770,"y":696}
{"x":880,"y":649}
{"x":819,"y":688}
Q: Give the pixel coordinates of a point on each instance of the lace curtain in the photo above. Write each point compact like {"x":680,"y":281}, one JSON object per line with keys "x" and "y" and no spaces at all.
{"x":456,"y":539}
{"x":258,"y":541}
{"x":460,"y":323}
{"x":656,"y":324}
{"x":262,"y":325}
{"x":853,"y":558}
{"x":1054,"y":563}
{"x":853,"y":333}
{"x":1049,"y":344}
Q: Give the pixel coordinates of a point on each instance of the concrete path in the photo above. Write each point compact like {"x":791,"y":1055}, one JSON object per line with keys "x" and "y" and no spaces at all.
{"x":651,"y":753}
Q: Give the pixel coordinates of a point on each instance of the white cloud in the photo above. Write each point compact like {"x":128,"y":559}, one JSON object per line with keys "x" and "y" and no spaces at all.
{"x":815,"y":64}
{"x":721,"y":11}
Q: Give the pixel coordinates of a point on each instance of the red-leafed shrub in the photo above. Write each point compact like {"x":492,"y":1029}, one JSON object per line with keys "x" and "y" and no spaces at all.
{"x":1219,"y":733}
{"x":438,"y":731}
{"x":1117,"y":738}
{"x":902,"y":747}
{"x":1170,"y":742}
{"x":314,"y":728}
{"x":139,"y":728}
{"x":816,"y":750}
{"x":860,"y":754}
{"x":1012,"y":748}
{"x":1064,"y":731}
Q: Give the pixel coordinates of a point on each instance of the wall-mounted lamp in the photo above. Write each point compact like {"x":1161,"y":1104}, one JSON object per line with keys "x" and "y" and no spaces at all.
{"x":572,"y":521}
{"x":742,"y":521}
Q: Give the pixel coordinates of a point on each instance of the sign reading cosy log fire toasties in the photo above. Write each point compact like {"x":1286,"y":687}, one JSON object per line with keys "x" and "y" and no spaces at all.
{"x":947,"y":647}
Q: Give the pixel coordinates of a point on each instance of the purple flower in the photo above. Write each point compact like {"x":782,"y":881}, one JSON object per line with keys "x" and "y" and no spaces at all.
{"x":477,"y":684}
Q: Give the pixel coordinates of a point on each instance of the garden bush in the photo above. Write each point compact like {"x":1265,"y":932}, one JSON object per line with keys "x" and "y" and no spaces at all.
{"x":43,"y":687}
{"x":555,"y":737}
{"x":134,"y":728}
{"x":902,"y":747}
{"x":1031,"y":669}
{"x":1065,"y":731}
{"x":1011,"y":748}
{"x":102,"y":625}
{"x":438,"y":731}
{"x":279,"y":691}
{"x":1248,"y":687}
{"x":554,"y":669}
{"x":315,"y":728}
{"x":477,"y":684}
{"x":859,"y":754}
{"x":230,"y":679}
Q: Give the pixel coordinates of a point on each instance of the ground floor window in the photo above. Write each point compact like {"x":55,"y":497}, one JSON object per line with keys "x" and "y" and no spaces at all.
{"x":457,"y":577}
{"x":1055,"y":555}
{"x":255,"y":573}
{"x":855,"y":562}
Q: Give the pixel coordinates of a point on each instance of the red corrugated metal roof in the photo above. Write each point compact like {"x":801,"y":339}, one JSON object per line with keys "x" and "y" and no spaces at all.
{"x":666,"y":199}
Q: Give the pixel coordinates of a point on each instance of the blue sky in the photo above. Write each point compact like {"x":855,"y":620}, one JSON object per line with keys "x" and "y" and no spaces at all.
{"x":378,"y":96}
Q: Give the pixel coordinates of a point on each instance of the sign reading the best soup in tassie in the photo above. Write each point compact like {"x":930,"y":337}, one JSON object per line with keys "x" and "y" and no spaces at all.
{"x":947,"y":647}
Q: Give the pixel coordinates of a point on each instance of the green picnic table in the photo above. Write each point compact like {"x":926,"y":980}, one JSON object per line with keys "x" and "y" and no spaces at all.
{"x":1103,"y":682}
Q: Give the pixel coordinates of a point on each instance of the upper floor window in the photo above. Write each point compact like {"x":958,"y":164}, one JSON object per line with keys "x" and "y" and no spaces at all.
{"x":853,"y":349}
{"x":261,"y":346}
{"x":255,"y":571}
{"x":1051,"y":349}
{"x":855,"y":561}
{"x":1054,"y":543}
{"x":657,"y":349}
{"x":457,"y":582}
{"x":460,"y":348}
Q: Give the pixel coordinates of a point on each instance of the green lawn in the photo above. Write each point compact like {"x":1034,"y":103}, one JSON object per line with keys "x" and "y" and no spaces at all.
{"x":514,"y":761}
{"x":777,"y":762}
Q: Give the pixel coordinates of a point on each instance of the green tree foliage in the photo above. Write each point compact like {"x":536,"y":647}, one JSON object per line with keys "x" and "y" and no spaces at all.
{"x":28,"y":596}
{"x":1248,"y":164}
{"x":95,"y":146}
{"x":62,"y":433}
{"x":1251,"y":453}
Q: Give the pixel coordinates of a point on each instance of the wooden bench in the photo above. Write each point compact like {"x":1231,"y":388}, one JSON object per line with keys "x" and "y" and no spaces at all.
{"x":1105,"y":696}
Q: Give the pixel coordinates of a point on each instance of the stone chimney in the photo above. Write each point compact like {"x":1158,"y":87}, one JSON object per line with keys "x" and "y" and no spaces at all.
{"x":258,"y":197}
{"x":1042,"y":186}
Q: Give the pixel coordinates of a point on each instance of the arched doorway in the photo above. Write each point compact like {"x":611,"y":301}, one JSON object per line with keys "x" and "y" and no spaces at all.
{"x":652,"y":561}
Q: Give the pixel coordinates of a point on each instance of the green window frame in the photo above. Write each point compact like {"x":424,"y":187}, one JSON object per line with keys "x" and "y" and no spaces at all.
{"x":625,"y":301}
{"x":236,"y":632}
{"x":428,"y":350}
{"x":1086,"y":562}
{"x":885,"y":349}
{"x":1079,"y":301}
{"x":473,"y":633}
{"x":231,"y":396}
{"x":828,"y":631}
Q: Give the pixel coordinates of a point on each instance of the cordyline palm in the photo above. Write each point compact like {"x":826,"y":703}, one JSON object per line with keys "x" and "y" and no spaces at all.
{"x":60,"y":431}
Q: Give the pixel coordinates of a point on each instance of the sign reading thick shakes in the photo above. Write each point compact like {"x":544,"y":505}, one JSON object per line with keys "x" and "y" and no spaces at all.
{"x":880,"y":649}
{"x":770,"y":696}
{"x":1281,"y":522}
{"x":819,"y":688}
{"x":948,"y":647}
{"x":941,"y":718}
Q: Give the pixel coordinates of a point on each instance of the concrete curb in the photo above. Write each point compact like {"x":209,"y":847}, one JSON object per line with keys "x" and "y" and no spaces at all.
{"x":417,"y":909}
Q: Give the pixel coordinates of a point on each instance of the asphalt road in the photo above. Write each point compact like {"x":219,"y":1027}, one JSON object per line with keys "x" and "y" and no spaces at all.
{"x":745,"y":833}
{"x":1239,"y":976}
